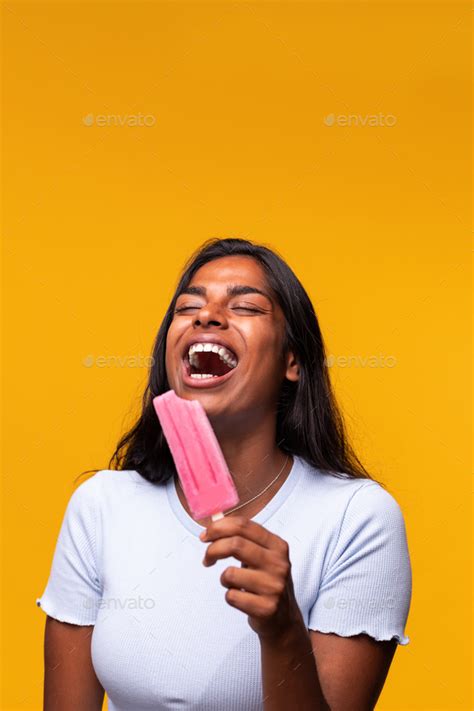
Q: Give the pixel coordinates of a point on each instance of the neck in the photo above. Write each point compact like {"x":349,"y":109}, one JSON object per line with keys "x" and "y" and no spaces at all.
{"x":251,"y":453}
{"x":254,"y":460}
{"x":253,"y":463}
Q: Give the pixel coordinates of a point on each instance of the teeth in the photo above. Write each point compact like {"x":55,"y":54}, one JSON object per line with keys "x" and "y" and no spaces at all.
{"x":222,"y":352}
{"x":227,"y":358}
{"x":203,"y":375}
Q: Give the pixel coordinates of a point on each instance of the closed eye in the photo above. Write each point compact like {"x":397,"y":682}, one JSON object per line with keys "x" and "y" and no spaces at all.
{"x":185,"y":308}
{"x":235,"y":308}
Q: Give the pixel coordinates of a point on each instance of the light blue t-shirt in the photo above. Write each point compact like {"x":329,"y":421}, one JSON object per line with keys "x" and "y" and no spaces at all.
{"x":128,"y":560}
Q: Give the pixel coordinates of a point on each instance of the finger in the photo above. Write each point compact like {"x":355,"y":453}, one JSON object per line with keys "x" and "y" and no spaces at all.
{"x":255,"y":581}
{"x":241,"y":526}
{"x":247,"y":552}
{"x":251,"y":604}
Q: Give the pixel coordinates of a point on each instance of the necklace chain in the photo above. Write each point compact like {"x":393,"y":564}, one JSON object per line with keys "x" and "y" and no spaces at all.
{"x":254,"y":497}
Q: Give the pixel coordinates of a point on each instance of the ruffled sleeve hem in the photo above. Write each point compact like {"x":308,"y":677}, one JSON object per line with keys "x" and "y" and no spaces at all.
{"x":378,"y":636}
{"x":82,"y":618}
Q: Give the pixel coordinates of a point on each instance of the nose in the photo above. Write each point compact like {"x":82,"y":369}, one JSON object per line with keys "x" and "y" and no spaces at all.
{"x":210,"y":315}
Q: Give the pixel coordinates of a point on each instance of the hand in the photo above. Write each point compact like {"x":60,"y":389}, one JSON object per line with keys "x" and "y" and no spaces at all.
{"x":263,"y":586}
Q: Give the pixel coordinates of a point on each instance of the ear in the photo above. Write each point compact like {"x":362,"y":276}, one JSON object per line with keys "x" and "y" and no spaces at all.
{"x":292,"y":367}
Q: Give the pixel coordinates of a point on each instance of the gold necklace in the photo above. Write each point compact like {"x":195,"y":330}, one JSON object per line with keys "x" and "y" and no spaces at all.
{"x":254,"y":497}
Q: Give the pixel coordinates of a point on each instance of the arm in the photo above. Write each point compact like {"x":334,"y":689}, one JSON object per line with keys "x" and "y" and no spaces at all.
{"x":289,"y":675}
{"x":369,"y":567}
{"x":352,"y":669}
{"x":70,"y":683}
{"x":313,"y":671}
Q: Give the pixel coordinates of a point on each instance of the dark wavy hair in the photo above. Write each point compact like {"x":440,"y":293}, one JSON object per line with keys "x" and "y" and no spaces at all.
{"x":309,"y":422}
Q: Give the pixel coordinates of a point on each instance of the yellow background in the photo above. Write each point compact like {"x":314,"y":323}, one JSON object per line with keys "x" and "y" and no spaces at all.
{"x":373,"y":219}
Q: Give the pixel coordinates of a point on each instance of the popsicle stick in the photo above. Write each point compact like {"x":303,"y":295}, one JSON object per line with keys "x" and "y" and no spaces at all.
{"x":217,"y":516}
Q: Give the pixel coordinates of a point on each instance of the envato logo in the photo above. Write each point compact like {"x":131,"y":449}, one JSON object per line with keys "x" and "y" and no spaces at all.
{"x":118,"y":361}
{"x":120,"y":603}
{"x":355,"y":603}
{"x":371,"y":361}
{"x":146,"y":120}
{"x":348,"y":120}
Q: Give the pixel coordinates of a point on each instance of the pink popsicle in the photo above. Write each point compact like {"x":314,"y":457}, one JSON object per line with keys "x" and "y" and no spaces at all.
{"x":201,"y":467}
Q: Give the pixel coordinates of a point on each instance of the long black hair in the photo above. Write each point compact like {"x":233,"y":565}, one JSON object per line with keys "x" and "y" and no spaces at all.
{"x":309,"y":422}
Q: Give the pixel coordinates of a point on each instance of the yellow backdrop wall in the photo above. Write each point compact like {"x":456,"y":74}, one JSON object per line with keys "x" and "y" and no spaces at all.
{"x":336,"y":132}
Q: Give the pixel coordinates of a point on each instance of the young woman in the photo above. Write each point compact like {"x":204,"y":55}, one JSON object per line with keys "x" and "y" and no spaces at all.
{"x":298,"y":597}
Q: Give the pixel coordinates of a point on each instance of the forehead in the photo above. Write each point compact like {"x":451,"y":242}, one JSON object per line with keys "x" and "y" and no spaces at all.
{"x":232,"y":268}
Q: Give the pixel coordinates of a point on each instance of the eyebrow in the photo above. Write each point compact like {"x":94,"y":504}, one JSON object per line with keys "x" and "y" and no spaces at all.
{"x":234,"y":290}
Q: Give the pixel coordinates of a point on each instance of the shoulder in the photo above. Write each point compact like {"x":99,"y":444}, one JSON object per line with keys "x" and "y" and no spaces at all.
{"x":351,"y":504}
{"x":103,"y":485}
{"x":372,"y":529}
{"x":371,"y":505}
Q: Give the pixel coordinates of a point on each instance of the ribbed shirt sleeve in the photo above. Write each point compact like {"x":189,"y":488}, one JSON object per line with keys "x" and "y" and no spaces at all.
{"x":367,"y":584}
{"x":73,"y":590}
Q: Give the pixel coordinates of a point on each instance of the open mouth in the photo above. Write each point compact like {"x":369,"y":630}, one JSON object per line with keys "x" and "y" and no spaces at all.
{"x":204,"y":361}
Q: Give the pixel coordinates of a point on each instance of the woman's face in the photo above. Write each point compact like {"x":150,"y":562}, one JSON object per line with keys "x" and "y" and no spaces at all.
{"x":229,"y":305}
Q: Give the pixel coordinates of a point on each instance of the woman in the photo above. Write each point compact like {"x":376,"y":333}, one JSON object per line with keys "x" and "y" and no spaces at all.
{"x":298,"y":597}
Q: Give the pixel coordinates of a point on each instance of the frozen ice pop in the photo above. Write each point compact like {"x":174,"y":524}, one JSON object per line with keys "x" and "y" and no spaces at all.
{"x":199,"y":461}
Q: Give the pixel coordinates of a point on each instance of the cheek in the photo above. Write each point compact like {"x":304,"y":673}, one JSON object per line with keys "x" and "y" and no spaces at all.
{"x":265,"y":362}
{"x":268,"y":360}
{"x":170,"y":346}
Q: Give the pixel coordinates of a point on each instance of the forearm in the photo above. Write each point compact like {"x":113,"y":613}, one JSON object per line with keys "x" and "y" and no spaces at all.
{"x":289,"y":674}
